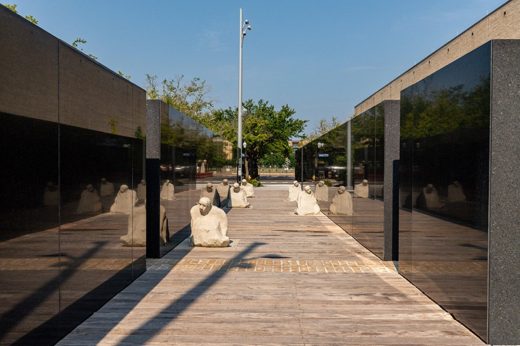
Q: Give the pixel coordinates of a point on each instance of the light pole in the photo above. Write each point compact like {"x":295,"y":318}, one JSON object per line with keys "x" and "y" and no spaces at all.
{"x":244,"y":27}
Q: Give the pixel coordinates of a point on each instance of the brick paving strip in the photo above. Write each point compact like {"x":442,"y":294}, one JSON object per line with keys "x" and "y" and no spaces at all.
{"x":287,"y":280}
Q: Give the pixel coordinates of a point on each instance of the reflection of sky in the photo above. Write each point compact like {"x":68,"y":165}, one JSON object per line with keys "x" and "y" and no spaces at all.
{"x":468,"y":71}
{"x":187,"y":123}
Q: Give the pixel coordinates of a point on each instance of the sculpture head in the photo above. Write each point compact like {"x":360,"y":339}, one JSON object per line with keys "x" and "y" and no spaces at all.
{"x":307,"y":189}
{"x":244,"y":182}
{"x":123,"y":188}
{"x":167,"y":181}
{"x":90,"y":188}
{"x":365,"y":182}
{"x":341,"y":189}
{"x":429,"y":188}
{"x":456,"y":183}
{"x":103,"y":180}
{"x":209,"y":187}
{"x":225,"y":182}
{"x":296,"y":183}
{"x":143,"y":182}
{"x":204,"y":205}
{"x":236,"y":187}
{"x":321,"y":183}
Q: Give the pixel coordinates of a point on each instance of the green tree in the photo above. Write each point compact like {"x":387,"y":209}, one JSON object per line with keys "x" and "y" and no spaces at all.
{"x":266,"y":131}
{"x":190,"y":98}
{"x":30,"y":18}
{"x":78,"y":43}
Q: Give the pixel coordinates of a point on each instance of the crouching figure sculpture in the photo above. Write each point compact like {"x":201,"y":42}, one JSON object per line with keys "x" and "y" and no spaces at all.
{"x":209,"y":225}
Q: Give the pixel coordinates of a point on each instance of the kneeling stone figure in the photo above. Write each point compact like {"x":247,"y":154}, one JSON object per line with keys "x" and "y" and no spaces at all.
{"x":307,"y":204}
{"x":238,"y":197}
{"x":341,"y":203}
{"x":208,"y":225}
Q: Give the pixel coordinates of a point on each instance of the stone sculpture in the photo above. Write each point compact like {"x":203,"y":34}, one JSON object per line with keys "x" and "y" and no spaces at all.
{"x":341,"y":203}
{"x":141,"y":190}
{"x":307,"y":203}
{"x":106,"y":192}
{"x":431,"y":197}
{"x":125,"y":200}
{"x":361,"y":190}
{"x":210,"y":192}
{"x":106,"y":188}
{"x":50,"y":195}
{"x":209,"y":225}
{"x":238,"y":197}
{"x":89,"y":201}
{"x":203,"y":166}
{"x":322,"y":191}
{"x":456,"y":193}
{"x":223,"y":193}
{"x":294,"y":191}
{"x":248,"y":188}
{"x":136,"y":234}
{"x":167,"y":191}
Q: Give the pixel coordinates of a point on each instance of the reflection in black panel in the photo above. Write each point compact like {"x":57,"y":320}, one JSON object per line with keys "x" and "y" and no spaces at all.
{"x":189,"y":153}
{"x":62,"y":257}
{"x":444,"y":180}
{"x":29,"y":248}
{"x":368,"y":178}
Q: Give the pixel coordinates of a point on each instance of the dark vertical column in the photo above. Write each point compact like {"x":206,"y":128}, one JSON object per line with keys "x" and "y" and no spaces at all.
{"x":391,"y":175}
{"x":504,"y":195}
{"x":153,"y":156}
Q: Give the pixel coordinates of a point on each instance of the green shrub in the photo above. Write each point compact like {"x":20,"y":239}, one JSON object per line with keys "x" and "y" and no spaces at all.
{"x":255,"y":182}
{"x":327,"y":182}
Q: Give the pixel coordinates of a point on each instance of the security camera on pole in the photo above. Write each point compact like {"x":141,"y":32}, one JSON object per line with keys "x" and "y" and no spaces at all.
{"x":244,"y":27}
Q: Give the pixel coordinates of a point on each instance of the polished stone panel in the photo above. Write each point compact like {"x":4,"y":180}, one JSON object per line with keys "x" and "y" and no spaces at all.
{"x":444,"y":187}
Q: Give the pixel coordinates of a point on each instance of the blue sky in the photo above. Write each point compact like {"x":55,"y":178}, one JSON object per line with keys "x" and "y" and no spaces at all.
{"x":320,"y":57}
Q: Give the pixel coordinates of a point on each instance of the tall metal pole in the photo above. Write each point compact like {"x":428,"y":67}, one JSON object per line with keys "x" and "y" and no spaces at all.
{"x":239,"y":134}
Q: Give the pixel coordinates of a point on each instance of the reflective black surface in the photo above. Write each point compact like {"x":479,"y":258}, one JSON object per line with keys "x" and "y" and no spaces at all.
{"x":368,"y":179}
{"x":444,"y":186}
{"x":191,"y":156}
{"x":61,"y":257}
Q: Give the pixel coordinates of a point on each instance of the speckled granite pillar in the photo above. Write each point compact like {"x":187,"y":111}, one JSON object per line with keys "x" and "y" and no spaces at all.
{"x":504,"y":195}
{"x":391,"y":187}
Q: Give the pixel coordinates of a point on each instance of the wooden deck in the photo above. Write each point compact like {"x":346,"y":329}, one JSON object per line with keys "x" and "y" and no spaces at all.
{"x":287,"y":279}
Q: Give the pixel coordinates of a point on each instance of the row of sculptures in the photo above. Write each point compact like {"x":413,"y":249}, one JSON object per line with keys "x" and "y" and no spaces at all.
{"x":209,"y":224}
{"x":341,"y":203}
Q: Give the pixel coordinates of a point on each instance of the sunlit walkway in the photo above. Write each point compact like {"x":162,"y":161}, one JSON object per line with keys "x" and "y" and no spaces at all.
{"x":286,"y":280}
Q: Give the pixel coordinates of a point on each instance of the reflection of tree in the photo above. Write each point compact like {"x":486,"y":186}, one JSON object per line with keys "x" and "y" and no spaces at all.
{"x":445,"y":111}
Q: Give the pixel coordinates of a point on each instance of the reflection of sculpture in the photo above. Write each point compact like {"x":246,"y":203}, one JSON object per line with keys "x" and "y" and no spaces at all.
{"x":136,"y":235}
{"x":168,"y":191}
{"x":50,"y":195}
{"x":294,"y":191}
{"x":322,"y":191}
{"x":431,"y":197}
{"x":238,"y":197}
{"x":141,"y":190}
{"x":106,"y":192}
{"x":208,"y":225}
{"x":203,"y":166}
{"x":210,"y":193}
{"x":223,"y":193}
{"x":307,"y":203}
{"x":341,"y":203}
{"x":89,"y":201}
{"x":125,"y":200}
{"x":106,"y":188}
{"x":361,"y":190}
{"x":456,"y":193}
{"x":248,"y":188}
